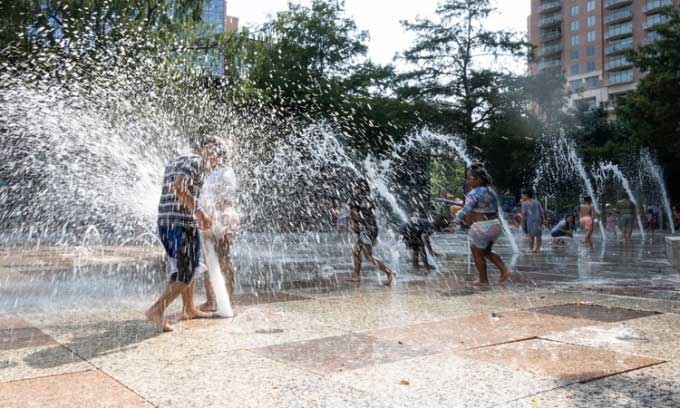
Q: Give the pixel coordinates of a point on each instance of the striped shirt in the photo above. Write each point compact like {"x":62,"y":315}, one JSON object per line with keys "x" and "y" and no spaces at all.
{"x":170,"y":210}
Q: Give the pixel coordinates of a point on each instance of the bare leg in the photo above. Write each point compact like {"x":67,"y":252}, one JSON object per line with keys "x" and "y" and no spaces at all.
{"x":498,"y":261}
{"x":210,"y":304}
{"x":156,"y":313}
{"x":589,"y":234}
{"x":356,"y":258}
{"x":189,"y":310}
{"x":368,"y":253}
{"x":480,"y":264}
{"x":537,"y":243}
{"x":415,"y":264}
{"x":423,"y":254}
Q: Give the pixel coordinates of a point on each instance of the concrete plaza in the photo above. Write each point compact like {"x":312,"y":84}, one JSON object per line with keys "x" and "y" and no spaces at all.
{"x":576,"y":328}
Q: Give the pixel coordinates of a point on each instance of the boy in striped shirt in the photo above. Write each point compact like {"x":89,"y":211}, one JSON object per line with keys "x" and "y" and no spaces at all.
{"x":179,"y":220}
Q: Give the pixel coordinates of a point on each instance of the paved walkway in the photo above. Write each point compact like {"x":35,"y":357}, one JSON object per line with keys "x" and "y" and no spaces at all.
{"x":578,"y":328}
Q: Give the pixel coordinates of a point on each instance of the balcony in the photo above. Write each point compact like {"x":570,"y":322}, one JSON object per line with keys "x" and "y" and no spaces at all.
{"x":617,"y":3}
{"x":618,"y":63}
{"x":549,"y":50}
{"x":619,"y":16}
{"x":550,"y":20}
{"x":654,"y":21}
{"x":551,"y":36}
{"x":619,"y":32}
{"x":549,"y":64}
{"x":619,"y":46}
{"x":550,"y":6}
{"x":622,"y":77}
{"x":652,"y":37}
{"x":654,"y":6}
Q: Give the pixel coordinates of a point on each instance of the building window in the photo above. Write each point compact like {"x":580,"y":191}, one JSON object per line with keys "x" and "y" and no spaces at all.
{"x":574,"y":54}
{"x":620,"y":77}
{"x":574,"y":10}
{"x":574,"y":25}
{"x":590,"y":21}
{"x":574,"y":69}
{"x":590,"y":66}
{"x":575,"y":40}
{"x":591,"y":36}
{"x":591,"y":82}
{"x":590,"y":5}
{"x":590,"y":51}
{"x":576,"y":85}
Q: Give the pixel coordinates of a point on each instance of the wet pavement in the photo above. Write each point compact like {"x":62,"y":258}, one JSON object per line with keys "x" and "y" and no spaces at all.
{"x":576,"y":328}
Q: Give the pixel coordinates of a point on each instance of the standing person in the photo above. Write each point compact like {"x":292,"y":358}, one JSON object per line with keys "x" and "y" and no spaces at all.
{"x":649,"y":225}
{"x":481,"y":213}
{"x":564,"y":228}
{"x":364,"y":224}
{"x":532,"y":220}
{"x":586,"y":214}
{"x":416,"y":235}
{"x":219,"y":200}
{"x":179,"y":220}
{"x":627,"y":213}
{"x":612,"y":221}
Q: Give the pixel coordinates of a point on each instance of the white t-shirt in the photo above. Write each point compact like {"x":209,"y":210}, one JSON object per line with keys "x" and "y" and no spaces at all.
{"x":218,"y":199}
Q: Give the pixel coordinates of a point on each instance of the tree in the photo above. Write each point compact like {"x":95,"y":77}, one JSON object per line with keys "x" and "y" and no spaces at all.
{"x":652,"y":112}
{"x":447,"y":72}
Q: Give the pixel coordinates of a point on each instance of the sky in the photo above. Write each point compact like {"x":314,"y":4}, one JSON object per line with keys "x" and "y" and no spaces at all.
{"x":381,"y":19}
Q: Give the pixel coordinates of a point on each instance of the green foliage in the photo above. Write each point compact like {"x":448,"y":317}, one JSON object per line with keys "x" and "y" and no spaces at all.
{"x":652,"y":111}
{"x":446,"y":176}
{"x":445,"y":56}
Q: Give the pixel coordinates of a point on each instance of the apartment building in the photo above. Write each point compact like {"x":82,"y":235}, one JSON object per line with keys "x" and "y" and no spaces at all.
{"x":588,"y":40}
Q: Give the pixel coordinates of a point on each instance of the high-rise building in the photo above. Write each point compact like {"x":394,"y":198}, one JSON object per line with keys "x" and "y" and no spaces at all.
{"x":215,"y":15}
{"x":588,"y":40}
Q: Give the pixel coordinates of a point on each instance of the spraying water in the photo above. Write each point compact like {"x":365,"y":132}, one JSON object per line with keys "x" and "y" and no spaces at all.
{"x":614,"y":169}
{"x":649,"y":161}
{"x":560,"y":164}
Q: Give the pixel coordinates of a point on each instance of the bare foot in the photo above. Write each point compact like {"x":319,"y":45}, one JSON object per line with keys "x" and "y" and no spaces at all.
{"x":196,"y":314}
{"x":354,"y":278}
{"x":157,"y":318}
{"x":505,"y":277}
{"x":208,"y":307}
{"x":390,"y":278}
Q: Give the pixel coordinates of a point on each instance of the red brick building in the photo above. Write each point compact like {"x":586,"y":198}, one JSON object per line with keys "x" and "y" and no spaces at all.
{"x":588,"y":40}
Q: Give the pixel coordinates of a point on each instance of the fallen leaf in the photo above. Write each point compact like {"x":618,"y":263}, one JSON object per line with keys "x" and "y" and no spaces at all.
{"x":404,"y":382}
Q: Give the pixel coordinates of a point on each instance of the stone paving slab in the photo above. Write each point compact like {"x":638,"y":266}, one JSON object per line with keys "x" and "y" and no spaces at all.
{"x":562,"y":361}
{"x":125,"y":334}
{"x":39,"y":361}
{"x":27,"y":352}
{"x":479,"y":330}
{"x":444,"y":380}
{"x":340,"y":353}
{"x":653,"y":336}
{"x":657,"y":386}
{"x":637,"y":303}
{"x":234,"y":379}
{"x":85,"y":389}
{"x":15,"y":333}
{"x":593,"y":312}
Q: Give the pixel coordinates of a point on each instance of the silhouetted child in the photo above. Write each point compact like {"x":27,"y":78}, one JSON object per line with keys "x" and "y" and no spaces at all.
{"x":416,"y":235}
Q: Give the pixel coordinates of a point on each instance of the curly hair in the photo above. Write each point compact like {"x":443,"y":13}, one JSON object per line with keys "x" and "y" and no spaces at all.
{"x":477,"y":169}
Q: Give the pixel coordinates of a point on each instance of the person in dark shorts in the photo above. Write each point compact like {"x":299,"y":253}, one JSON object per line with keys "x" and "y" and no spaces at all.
{"x":564,"y":228}
{"x":416,"y":235}
{"x":179,"y":220}
{"x":365,"y":226}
